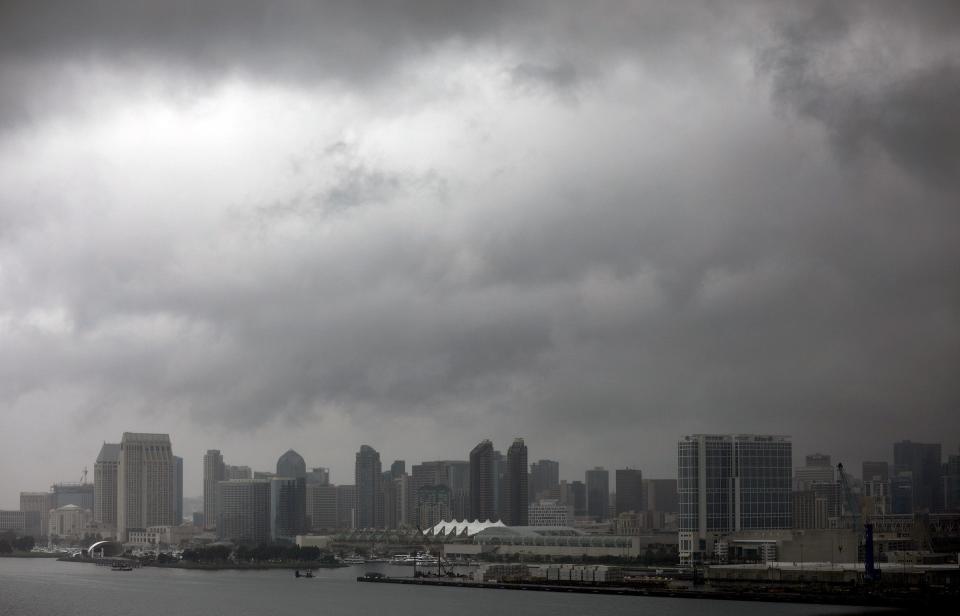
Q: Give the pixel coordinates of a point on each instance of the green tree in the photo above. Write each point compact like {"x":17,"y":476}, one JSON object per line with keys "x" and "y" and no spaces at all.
{"x":5,"y":547}
{"x":24,"y":544}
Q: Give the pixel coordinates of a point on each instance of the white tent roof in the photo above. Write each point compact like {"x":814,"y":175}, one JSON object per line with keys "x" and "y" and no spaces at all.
{"x":455,"y":527}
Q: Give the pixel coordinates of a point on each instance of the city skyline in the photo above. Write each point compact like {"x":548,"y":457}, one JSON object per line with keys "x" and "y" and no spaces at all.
{"x":801,"y":458}
{"x":418,"y":225}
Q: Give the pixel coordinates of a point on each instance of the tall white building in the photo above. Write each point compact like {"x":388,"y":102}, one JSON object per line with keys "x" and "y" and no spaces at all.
{"x":728,"y":483}
{"x":145,"y":491}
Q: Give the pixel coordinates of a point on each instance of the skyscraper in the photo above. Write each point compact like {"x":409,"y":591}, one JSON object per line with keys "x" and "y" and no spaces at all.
{"x":660,"y":495}
{"x":951,"y":483}
{"x":105,"y":471}
{"x":144,"y":492}
{"x":482,"y":504}
{"x":243,"y":510}
{"x":629,"y":491}
{"x":319,"y":475}
{"x":397,"y":469}
{"x":214,"y":471}
{"x":924,"y":461}
{"x":237,"y":472}
{"x":544,"y":477}
{"x":518,"y":497}
{"x":288,"y":508}
{"x":177,"y":490}
{"x":37,"y":504}
{"x":68,"y":493}
{"x":598,"y":493}
{"x":291,"y":464}
{"x":433,"y":506}
{"x":347,"y":506}
{"x":875,"y":471}
{"x":321,"y":507}
{"x":728,"y":483}
{"x":368,"y":477}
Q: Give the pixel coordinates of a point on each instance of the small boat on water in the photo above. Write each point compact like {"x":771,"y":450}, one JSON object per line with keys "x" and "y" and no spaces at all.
{"x":121,"y":568}
{"x":420,"y":560}
{"x":354,"y":560}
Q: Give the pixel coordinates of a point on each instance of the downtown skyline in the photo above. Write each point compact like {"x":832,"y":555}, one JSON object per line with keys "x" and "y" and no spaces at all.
{"x":343,"y":472}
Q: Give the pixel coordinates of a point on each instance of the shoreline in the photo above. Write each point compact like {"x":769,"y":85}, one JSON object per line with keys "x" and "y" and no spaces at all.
{"x":219,"y":566}
{"x":926,"y":602}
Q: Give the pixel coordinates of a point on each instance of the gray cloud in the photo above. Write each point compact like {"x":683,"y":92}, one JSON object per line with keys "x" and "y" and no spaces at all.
{"x":415,"y":248}
{"x":878,"y":94}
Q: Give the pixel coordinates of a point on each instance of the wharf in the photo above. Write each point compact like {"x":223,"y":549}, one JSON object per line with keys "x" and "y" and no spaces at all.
{"x":929,"y":602}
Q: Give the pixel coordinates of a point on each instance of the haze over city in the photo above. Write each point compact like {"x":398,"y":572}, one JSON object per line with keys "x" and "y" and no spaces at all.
{"x":597,"y":226}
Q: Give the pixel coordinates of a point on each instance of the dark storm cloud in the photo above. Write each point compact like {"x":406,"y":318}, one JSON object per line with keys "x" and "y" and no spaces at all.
{"x":660,"y":253}
{"x":883,"y":97}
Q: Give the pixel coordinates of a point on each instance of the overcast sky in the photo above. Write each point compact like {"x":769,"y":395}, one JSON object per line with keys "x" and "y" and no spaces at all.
{"x":596,"y":225}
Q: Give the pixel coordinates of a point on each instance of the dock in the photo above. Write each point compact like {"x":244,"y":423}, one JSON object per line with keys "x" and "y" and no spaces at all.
{"x":926,"y":601}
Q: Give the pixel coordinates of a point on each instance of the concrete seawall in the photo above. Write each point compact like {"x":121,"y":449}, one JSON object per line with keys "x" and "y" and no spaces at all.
{"x":926,"y":601}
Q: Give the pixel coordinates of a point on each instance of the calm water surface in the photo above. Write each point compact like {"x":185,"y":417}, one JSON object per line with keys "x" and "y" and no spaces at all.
{"x":45,"y":587}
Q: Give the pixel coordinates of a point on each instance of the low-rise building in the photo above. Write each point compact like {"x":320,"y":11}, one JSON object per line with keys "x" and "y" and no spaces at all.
{"x":71,"y":521}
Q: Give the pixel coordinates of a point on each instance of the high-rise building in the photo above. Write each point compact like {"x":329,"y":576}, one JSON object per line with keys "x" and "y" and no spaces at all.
{"x":518,"y":497}
{"x":14,"y":521}
{"x":549,"y":512}
{"x":817,"y":470}
{"x":105,"y":471}
{"x":458,"y":480}
{"x":500,"y":485}
{"x":405,"y":507}
{"x":876,"y":471}
{"x":237,"y":472}
{"x":389,"y":498}
{"x":291,"y":464}
{"x":79,"y":494}
{"x":598,"y":493}
{"x":398,"y":469}
{"x":321,"y":507}
{"x":924,"y":461}
{"x":575,"y":495}
{"x":809,"y":511}
{"x":951,"y":484}
{"x":37,"y":506}
{"x":144,"y":492}
{"x":902,"y":493}
{"x":729,"y":483}
{"x":243,"y":510}
{"x":876,"y":497}
{"x":629,"y":491}
{"x":544,"y":477}
{"x":368,"y":477}
{"x":288,"y":508}
{"x":347,"y":507}
{"x":177,"y":478}
{"x":214,"y":471}
{"x":482,"y":485}
{"x":433,"y":506}
{"x":660,"y":495}
{"x":319,"y":475}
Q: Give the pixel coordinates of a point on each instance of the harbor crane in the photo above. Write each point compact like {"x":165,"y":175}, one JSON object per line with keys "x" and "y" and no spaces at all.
{"x":869,"y":566}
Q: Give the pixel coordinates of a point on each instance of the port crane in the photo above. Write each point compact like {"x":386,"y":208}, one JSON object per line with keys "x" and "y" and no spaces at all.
{"x":869,"y":564}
